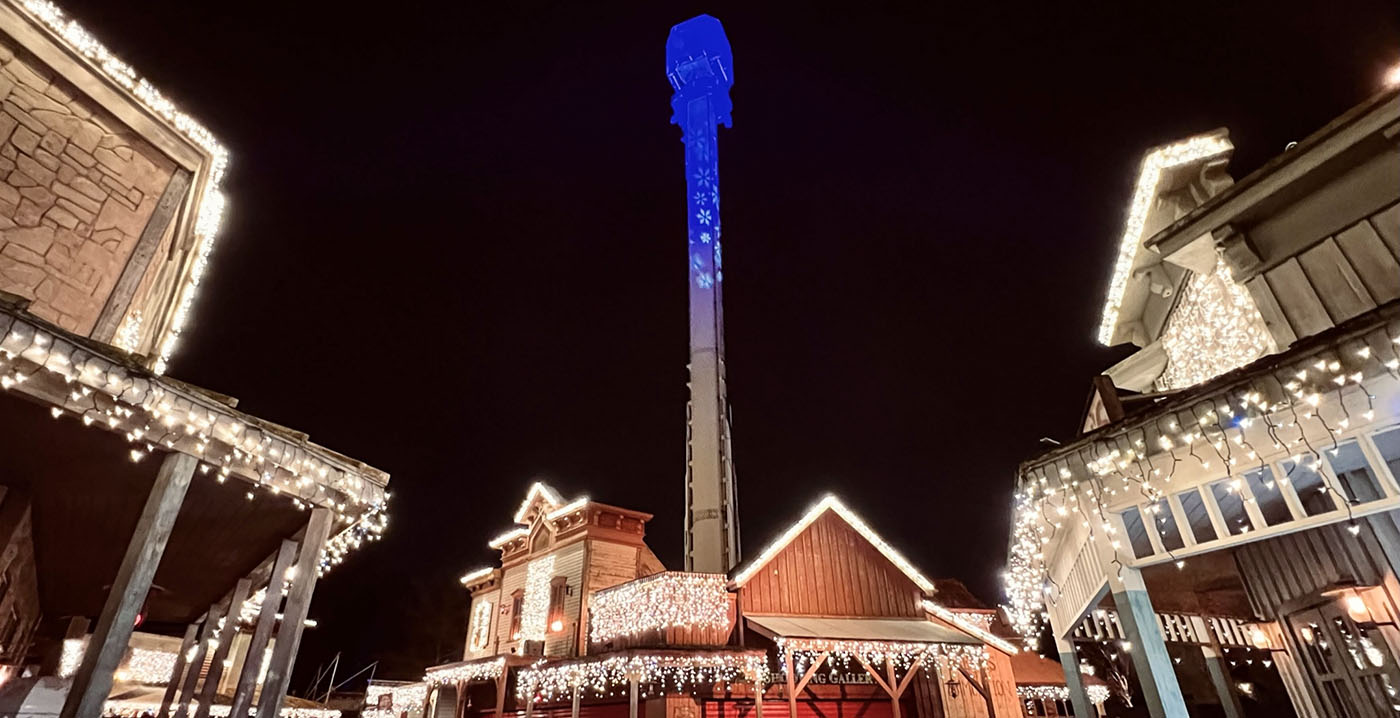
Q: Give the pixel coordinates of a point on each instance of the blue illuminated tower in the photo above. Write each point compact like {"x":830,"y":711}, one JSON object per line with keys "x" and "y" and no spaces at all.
{"x":700,"y":70}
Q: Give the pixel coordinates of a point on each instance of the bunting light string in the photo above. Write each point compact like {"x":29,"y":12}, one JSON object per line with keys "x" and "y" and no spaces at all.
{"x":484,"y":670}
{"x":1296,"y":409}
{"x":154,"y":415}
{"x":661,"y":673}
{"x":664,"y":600}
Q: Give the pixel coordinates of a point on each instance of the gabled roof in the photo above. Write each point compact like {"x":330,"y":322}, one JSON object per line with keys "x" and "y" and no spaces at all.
{"x":539,"y":491}
{"x":833,"y":504}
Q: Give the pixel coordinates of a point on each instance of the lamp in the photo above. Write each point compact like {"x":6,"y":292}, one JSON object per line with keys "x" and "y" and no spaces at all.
{"x":952,"y":684}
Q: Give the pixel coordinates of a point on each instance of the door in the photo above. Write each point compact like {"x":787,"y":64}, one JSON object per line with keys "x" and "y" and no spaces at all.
{"x":1353,"y":669}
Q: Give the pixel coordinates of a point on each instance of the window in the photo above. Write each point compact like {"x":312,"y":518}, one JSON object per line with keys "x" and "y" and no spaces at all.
{"x":1161,"y":512}
{"x":1310,"y":486}
{"x":1227,"y":497}
{"x":1349,"y":464}
{"x":558,"y":590}
{"x":517,"y":611}
{"x":1196,"y":516}
{"x":1137,"y":533}
{"x":1268,"y":496}
{"x":480,"y":631}
{"x":1389,"y":444}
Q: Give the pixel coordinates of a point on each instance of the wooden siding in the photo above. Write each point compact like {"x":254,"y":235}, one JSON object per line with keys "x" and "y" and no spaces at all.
{"x":568,"y":562}
{"x":1284,"y":574}
{"x":1332,"y":280}
{"x":831,"y":570}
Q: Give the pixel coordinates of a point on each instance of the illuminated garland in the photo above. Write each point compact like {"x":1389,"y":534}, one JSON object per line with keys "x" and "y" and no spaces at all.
{"x":1096,"y":693}
{"x":662,"y":673}
{"x":210,"y":212}
{"x":938,"y":657}
{"x":465,"y":672}
{"x":534,"y":614}
{"x":369,"y":527}
{"x":133,"y":709}
{"x":663,"y":600}
{"x":1296,"y":408}
{"x":71,"y":656}
{"x":1215,"y":328}
{"x":480,"y":631}
{"x":1191,"y":150}
{"x":964,"y":621}
{"x":408,"y":697}
{"x":150,"y":667}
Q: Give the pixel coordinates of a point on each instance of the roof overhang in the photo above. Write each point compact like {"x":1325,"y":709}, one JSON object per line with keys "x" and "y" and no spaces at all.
{"x":1138,"y":273}
{"x":892,"y":630}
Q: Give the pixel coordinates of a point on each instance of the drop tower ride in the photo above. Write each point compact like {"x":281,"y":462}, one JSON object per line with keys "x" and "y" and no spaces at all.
{"x":699,"y":66}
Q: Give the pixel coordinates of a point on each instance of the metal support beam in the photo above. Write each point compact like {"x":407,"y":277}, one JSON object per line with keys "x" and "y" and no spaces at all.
{"x":93,"y":681}
{"x":225,"y":642}
{"x":279,"y":669}
{"x":262,"y":632}
{"x":178,"y":672}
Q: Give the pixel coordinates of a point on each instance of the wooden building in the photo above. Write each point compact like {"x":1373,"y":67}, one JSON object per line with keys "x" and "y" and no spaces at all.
{"x":129,"y":497}
{"x":828,"y":620}
{"x":1235,"y":489}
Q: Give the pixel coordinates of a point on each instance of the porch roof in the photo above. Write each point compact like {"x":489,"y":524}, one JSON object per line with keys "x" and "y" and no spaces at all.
{"x":901,"y":630}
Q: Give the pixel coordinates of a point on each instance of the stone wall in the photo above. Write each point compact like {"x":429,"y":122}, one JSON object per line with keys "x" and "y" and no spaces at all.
{"x":77,"y":189}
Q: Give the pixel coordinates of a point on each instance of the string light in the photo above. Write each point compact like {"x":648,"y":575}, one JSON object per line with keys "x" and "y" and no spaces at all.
{"x":1215,"y":328}
{"x":480,"y":632}
{"x":972,"y":629}
{"x":486,"y":670}
{"x":1096,"y":693}
{"x":831,"y":503}
{"x":661,"y":672}
{"x":1195,"y":149}
{"x":209,"y":213}
{"x":136,"y":709}
{"x":408,"y":697}
{"x":534,"y":617}
{"x":71,"y":656}
{"x":150,"y":667}
{"x":939,"y":657}
{"x":154,"y":413}
{"x":660,"y":601}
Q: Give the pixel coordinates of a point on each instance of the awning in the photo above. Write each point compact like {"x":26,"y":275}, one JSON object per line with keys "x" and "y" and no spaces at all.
{"x":901,"y":630}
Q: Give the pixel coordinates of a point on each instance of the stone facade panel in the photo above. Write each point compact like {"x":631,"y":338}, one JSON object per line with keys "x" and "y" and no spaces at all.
{"x":77,"y":189}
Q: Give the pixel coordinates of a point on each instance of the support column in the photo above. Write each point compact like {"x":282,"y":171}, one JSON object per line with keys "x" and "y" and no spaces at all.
{"x":1220,"y":678}
{"x":632,"y":697}
{"x":1152,"y":663}
{"x":758,"y":689}
{"x":1074,"y":680}
{"x":191,"y":683}
{"x":262,"y":632}
{"x":176,"y":674}
{"x":225,"y":642}
{"x":93,"y":681}
{"x":279,"y":669}
{"x":573,"y":707}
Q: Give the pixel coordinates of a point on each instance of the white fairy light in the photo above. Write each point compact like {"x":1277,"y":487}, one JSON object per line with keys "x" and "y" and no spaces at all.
{"x":541,"y":490}
{"x":969,"y":627}
{"x":663,"y":600}
{"x":476,"y":575}
{"x":479,"y":632}
{"x":664,"y":672}
{"x":408,"y":697}
{"x":936,"y":657}
{"x":71,"y":656}
{"x":830,"y":502}
{"x":150,"y":667}
{"x":484,"y":670}
{"x":1215,"y":328}
{"x":1096,"y":693}
{"x":1192,"y":150}
{"x":534,"y":617}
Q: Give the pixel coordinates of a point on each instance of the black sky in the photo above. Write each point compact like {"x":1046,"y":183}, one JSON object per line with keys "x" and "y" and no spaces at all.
{"x":455,"y":246}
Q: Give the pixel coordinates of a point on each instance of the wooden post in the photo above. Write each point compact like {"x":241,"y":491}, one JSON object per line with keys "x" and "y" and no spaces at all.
{"x":795,"y":688}
{"x":1074,"y":680}
{"x":279,"y":669}
{"x":206,"y":634}
{"x":632,"y":695}
{"x":530,"y":703}
{"x":573,"y":709}
{"x":758,"y":689}
{"x":191,"y":632}
{"x":1220,"y":678}
{"x":257,"y":645}
{"x":225,"y":641}
{"x":501,"y":691}
{"x":459,"y":709}
{"x":93,"y":680}
{"x":894,"y":693}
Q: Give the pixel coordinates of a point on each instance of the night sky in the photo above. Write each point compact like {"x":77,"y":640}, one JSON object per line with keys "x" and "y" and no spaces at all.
{"x":455,"y":249}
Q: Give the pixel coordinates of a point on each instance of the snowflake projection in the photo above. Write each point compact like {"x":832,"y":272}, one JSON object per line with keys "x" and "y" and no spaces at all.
{"x":705,"y":237}
{"x":705,"y":216}
{"x":719,"y":257}
{"x":704,"y":177}
{"x":1215,"y":328}
{"x":703,"y":278}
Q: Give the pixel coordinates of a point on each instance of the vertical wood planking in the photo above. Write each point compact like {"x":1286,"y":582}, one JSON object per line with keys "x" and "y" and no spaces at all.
{"x":1337,"y":284}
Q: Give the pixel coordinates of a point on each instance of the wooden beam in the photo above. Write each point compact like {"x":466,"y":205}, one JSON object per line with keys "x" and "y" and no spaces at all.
{"x":913,"y":670}
{"x":119,"y":301}
{"x":211,"y":624}
{"x":279,"y":669}
{"x":501,"y":692}
{"x":176,"y":673}
{"x":225,"y":640}
{"x":262,"y":631}
{"x":758,"y":689}
{"x":93,"y":680}
{"x":973,"y":682}
{"x":632,"y":696}
{"x":791,"y":686}
{"x":811,"y":671}
{"x":459,"y":709}
{"x":894,"y":697}
{"x":875,"y":674}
